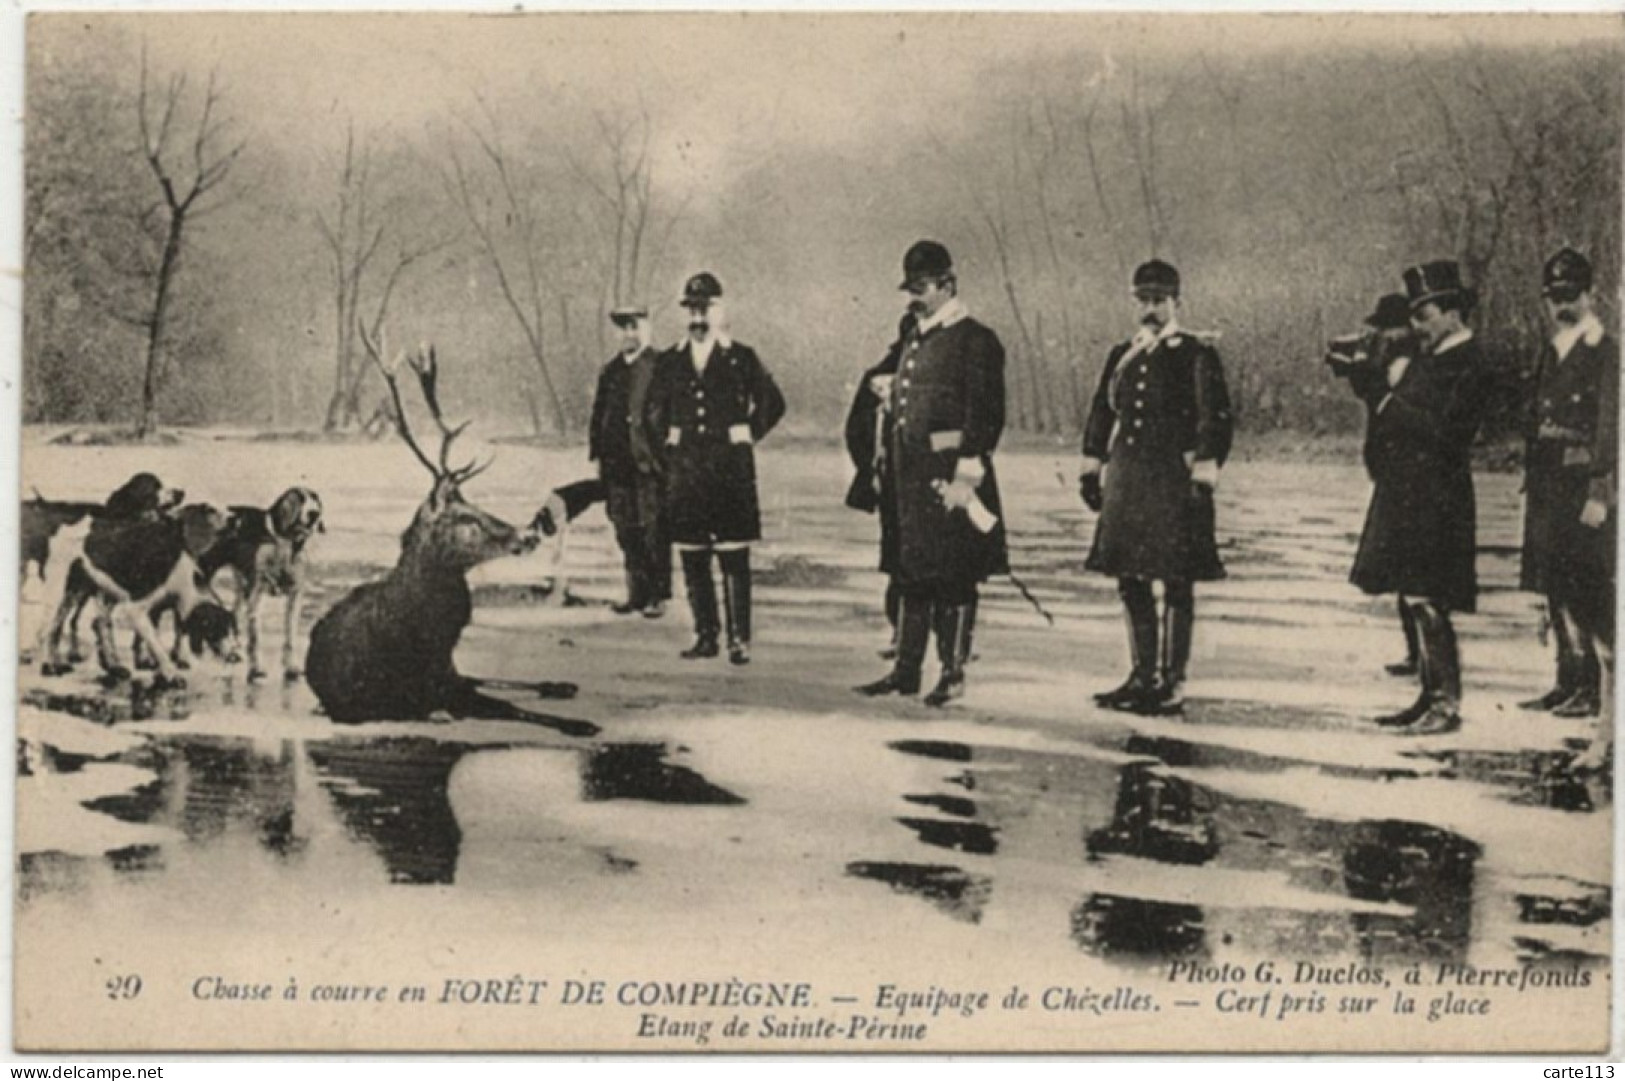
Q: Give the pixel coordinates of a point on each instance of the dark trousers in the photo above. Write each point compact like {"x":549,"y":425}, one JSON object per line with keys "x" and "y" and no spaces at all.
{"x":647,"y":558}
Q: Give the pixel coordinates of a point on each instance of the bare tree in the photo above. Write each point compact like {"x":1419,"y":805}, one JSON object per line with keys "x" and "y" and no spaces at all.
{"x":371,"y":251}
{"x":632,"y":229}
{"x":502,"y":204}
{"x":186,"y":178}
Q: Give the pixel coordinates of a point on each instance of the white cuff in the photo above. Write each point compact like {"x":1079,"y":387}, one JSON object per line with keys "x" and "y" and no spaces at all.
{"x":1091,"y":465}
{"x":739,"y":433}
{"x":674,"y":436}
{"x":1206,"y":472}
{"x":970,"y":471}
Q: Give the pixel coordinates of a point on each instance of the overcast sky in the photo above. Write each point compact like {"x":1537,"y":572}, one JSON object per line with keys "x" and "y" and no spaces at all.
{"x":725,"y":87}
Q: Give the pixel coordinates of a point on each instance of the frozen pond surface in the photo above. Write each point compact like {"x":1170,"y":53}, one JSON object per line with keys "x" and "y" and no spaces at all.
{"x":741,"y":812}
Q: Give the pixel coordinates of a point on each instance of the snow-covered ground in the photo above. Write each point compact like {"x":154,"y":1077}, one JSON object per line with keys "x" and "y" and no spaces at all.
{"x":766,"y":820}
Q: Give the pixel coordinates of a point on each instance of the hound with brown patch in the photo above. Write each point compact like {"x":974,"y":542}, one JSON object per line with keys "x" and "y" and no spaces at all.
{"x":265,"y":551}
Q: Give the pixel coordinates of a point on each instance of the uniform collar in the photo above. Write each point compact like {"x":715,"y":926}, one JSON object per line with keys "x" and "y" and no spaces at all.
{"x":1144,"y":338}
{"x":950,"y":313}
{"x":1588,"y":330}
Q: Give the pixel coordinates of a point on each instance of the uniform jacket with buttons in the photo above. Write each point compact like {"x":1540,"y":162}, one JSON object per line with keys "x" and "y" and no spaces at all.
{"x":618,"y":436}
{"x":1573,"y":418}
{"x":1156,"y":410}
{"x":1572,"y":457}
{"x":947,"y":417}
{"x":709,"y":421}
{"x":1172,"y":393}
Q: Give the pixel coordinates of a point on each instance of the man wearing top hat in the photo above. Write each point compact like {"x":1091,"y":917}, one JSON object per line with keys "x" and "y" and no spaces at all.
{"x":1569,"y":521}
{"x":1159,"y":429}
{"x":947,"y":413}
{"x":711,"y":401}
{"x":1373,"y":362}
{"x":629,"y":465}
{"x":1420,"y":530}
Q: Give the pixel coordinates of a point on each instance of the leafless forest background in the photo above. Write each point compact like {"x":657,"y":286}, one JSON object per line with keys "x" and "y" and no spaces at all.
{"x":216,"y":205}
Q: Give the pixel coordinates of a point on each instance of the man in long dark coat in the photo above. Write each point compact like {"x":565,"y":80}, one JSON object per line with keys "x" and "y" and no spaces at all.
{"x":713,"y":400}
{"x":1379,"y":356}
{"x":1420,"y":530}
{"x":947,"y":405}
{"x":1571,"y":454}
{"x":868,"y":427}
{"x":1159,"y":429}
{"x":629,"y":465}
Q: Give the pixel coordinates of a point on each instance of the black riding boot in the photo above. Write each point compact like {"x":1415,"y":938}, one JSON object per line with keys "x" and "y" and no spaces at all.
{"x":702,"y":601}
{"x":736,"y":602}
{"x":1412,"y":664}
{"x":1586,"y":701}
{"x":913,"y":635}
{"x":1444,"y":670}
{"x":1140,"y":612}
{"x":1424,"y":671}
{"x":1571,"y":660}
{"x":1178,"y":623}
{"x":953,"y":627}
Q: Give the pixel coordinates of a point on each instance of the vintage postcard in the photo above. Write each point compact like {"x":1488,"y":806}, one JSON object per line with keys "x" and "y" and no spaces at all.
{"x":847,"y":532}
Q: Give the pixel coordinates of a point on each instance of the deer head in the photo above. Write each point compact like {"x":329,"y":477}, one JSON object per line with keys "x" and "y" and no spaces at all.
{"x":447,"y":532}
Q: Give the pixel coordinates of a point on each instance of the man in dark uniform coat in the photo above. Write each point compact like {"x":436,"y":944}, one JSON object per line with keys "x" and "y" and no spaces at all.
{"x":868,"y":427}
{"x":947,"y":405}
{"x":1159,"y":428}
{"x":1381,"y":355}
{"x":1420,"y":531}
{"x":713,"y":400}
{"x":628,"y":464}
{"x":1570,"y":460}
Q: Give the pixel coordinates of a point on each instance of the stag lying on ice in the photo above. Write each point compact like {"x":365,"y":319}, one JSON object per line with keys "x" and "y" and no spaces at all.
{"x":384,"y":652}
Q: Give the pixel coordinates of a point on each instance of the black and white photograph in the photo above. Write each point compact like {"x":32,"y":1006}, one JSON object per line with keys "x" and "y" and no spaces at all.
{"x":843,"y":532}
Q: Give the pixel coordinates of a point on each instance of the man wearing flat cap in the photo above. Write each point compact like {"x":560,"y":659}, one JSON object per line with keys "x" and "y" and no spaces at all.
{"x":1420,"y":532}
{"x":628,"y":460}
{"x":711,"y":402}
{"x":1159,"y":428}
{"x":1571,"y":463}
{"x":1372,"y":363}
{"x":947,"y":413}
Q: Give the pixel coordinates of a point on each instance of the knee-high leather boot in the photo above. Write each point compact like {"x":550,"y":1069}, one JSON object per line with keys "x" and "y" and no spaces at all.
{"x":702,"y":601}
{"x":1570,"y":659}
{"x":1444,"y":671}
{"x":736,"y":602}
{"x":1586,"y":698}
{"x":953,"y":627}
{"x":1178,"y":624}
{"x":913,"y":635}
{"x":1140,"y":612}
{"x":1424,"y":672}
{"x":1412,"y":664}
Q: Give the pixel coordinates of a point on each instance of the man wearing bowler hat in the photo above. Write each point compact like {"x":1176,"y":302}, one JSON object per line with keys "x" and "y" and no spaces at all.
{"x":711,"y":402}
{"x":1569,"y":521}
{"x":1159,"y":428}
{"x":629,"y":465}
{"x":947,"y":413}
{"x":1373,"y":362}
{"x":1420,"y":530}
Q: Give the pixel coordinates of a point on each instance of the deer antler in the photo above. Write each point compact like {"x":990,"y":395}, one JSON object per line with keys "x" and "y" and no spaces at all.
{"x":425,"y":364}
{"x":375,"y":349}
